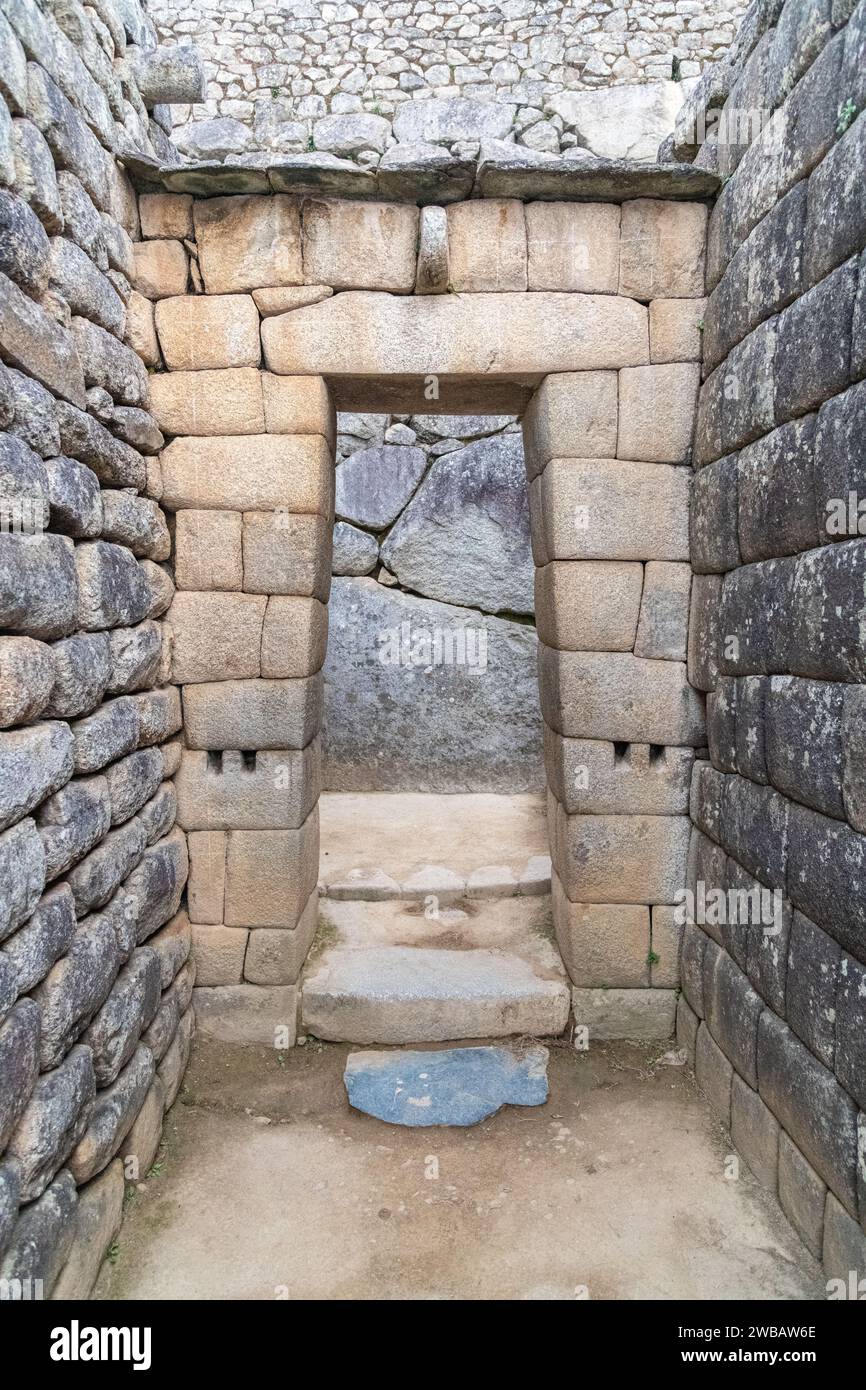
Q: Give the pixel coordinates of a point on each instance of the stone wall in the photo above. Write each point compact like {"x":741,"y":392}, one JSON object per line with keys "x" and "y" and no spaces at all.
{"x":336,"y":76}
{"x":773,"y":1005}
{"x":435,"y":510}
{"x":95,"y":988}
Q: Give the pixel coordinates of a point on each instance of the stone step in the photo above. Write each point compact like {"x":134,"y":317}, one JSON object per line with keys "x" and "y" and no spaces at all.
{"x":385,"y":973}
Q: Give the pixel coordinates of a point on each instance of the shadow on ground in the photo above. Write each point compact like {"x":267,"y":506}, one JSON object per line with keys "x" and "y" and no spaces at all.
{"x":271,"y":1187}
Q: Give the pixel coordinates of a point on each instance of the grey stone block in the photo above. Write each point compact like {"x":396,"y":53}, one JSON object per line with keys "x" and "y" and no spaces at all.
{"x":86,"y":290}
{"x":854,"y":755}
{"x":844,"y":1249}
{"x":112,"y":1115}
{"x":593,"y":777}
{"x":159,"y":814}
{"x":38,"y":585}
{"x":25,"y":251}
{"x":840,"y":466}
{"x":687,"y":1028}
{"x":713,"y":539}
{"x":705,"y":798}
{"x":858,"y":326}
{"x":714,"y":1075}
{"x":38,"y":345}
{"x":802,"y":30}
{"x":113,"y":461}
{"x":34,"y":418}
{"x":157,"y":885}
{"x":277,"y":789}
{"x":775,"y":492}
{"x":42,"y":1235}
{"x":813,"y":354}
{"x":767,"y":948}
{"x":173,"y":1064}
{"x":22,"y":874}
{"x":72,"y":821}
{"x":108,"y":363}
{"x":172,"y":947}
{"x":850,"y":1032}
{"x":76,"y":501}
{"x":812,"y":981}
{"x":747,"y":388}
{"x":823,"y":638}
{"x":35,"y":175}
{"x":31,"y":951}
{"x":26,"y":678}
{"x":136,"y":522}
{"x":102,"y":737}
{"x":132,"y":781}
{"x":705,"y":635}
{"x":19,"y":1063}
{"x":755,"y":1131}
{"x":826,"y":869}
{"x":82,"y":665}
{"x":99,"y":1214}
{"x":113,"y":588}
{"x":705,"y":878}
{"x":34,"y":762}
{"x":75,"y":987}
{"x":837,"y":218}
{"x":94,"y":879}
{"x":811,"y":1106}
{"x":775,"y":258}
{"x":754,"y":618}
{"x":9,"y":1193}
{"x":751,"y":727}
{"x":732,"y":1013}
{"x":136,"y":655}
{"x":694,"y":946}
{"x":159,"y":715}
{"x":802,"y":1195}
{"x":129,"y":1009}
{"x":754,"y":829}
{"x":722,"y":724}
{"x":53,"y":1121}
{"x":804,"y":741}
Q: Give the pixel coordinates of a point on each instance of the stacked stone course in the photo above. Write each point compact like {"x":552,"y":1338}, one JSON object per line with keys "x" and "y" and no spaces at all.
{"x":774,"y":1018}
{"x":95,"y":981}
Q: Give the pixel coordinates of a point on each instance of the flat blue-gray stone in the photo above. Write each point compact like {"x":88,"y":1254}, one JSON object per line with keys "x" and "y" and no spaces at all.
{"x":458,"y":1086}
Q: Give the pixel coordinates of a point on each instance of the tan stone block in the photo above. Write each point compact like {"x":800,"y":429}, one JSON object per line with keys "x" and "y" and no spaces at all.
{"x":665,"y":944}
{"x":161,"y":268}
{"x":298,"y":405}
{"x":219,"y":953}
{"x":571,"y":415}
{"x":588,"y":605}
{"x":619,"y":697}
{"x":573,"y":246}
{"x":197,"y":331}
{"x":507,"y":336}
{"x":664,"y":611}
{"x":675,"y":330}
{"x":140,"y":332}
{"x":657,"y":407}
{"x":294,"y":473}
{"x":275,"y":955}
{"x":355,"y":245}
{"x":662,"y":249}
{"x":207,"y":872}
{"x":487,"y":245}
{"x":165,"y":215}
{"x":253,"y":714}
{"x":622,"y":859}
{"x":294,"y":638}
{"x":208,"y":550}
{"x":272,"y":790}
{"x":216,"y":636}
{"x":597,"y":777}
{"x":281,"y":299}
{"x":244,"y":242}
{"x":287,"y":554}
{"x":270,"y":874}
{"x":603,"y":945}
{"x":249,"y":1014}
{"x":208,"y":403}
{"x":643,"y":1015}
{"x":610,"y":509}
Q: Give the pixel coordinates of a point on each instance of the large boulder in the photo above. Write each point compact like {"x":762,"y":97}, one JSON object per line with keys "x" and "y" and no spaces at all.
{"x":374,"y":485}
{"x":435,"y":121}
{"x":423,"y":696}
{"x":622,"y":122}
{"x":464,"y":537}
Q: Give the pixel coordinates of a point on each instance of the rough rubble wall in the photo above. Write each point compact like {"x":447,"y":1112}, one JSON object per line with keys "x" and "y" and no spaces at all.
{"x":95,"y":1017}
{"x":774,"y":1008}
{"x":279,"y":70}
{"x":434,"y":510}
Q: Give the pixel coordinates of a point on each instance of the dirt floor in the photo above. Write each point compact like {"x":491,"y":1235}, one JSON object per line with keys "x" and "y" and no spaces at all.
{"x":271,"y":1187}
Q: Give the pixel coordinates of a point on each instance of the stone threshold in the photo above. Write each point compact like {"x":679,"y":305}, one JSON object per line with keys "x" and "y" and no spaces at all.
{"x":445,"y":180}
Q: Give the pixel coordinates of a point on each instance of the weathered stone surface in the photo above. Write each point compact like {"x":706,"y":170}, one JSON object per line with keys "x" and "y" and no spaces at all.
{"x":219,"y":954}
{"x":114,"y":462}
{"x":43,"y":1235}
{"x":94,"y":879}
{"x":52,"y":1122}
{"x":208,"y":331}
{"x":813,"y":354}
{"x":26,"y":251}
{"x":621,"y":859}
{"x":589,"y":605}
{"x":279,"y":792}
{"x":607,"y":509}
{"x":776,"y":497}
{"x":804,"y":741}
{"x":34,"y":414}
{"x":593,"y":777}
{"x":208,"y":550}
{"x":573,"y":246}
{"x":850,"y":1036}
{"x":214,"y":139}
{"x":172,"y":946}
{"x":129,"y":1009}
{"x":253,"y":714}
{"x":627,"y":122}
{"x":82,"y":669}
{"x":294,"y":637}
{"x":406,"y":660}
{"x":756,"y":1133}
{"x":111,"y":1117}
{"x":159,"y":715}
{"x":38,"y":585}
{"x":113,"y":588}
{"x":248,"y":1013}
{"x":279,"y":299}
{"x":207,"y":880}
{"x":675,"y":330}
{"x":76,"y":503}
{"x":157,"y":885}
{"x":289,"y":474}
{"x":571,"y":415}
{"x":105,"y":735}
{"x":451,"y":120}
{"x":360,"y":245}
{"x":458,"y":1086}
{"x":813,"y":977}
{"x":72,"y":821}
{"x":98,"y":1217}
{"x":131,"y":781}
{"x":249,"y":241}
{"x":602,"y":944}
{"x":464,"y":537}
{"x":141,"y":1145}
{"x":487,"y":246}
{"x":34,"y":762}
{"x":374,"y":485}
{"x":22,"y":874}
{"x":432,"y":273}
{"x":355,"y":552}
{"x":161,"y":269}
{"x":810,"y":1105}
{"x":416,"y":336}
{"x":733,"y":1010}
{"x":802,"y":1195}
{"x":137,"y":523}
{"x":647,"y":433}
{"x":165,"y":215}
{"x":275,"y":955}
{"x":108,"y":363}
{"x":714,"y":1075}
{"x":19,"y":1063}
{"x":140,"y":332}
{"x":73,"y":145}
{"x":216,"y":636}
{"x":35,"y":176}
{"x":33,"y":948}
{"x":642,"y":1014}
{"x":662,"y":249}
{"x":617,"y":696}
{"x":286,"y":554}
{"x":160,"y":587}
{"x":136,"y":654}
{"x":664,"y":611}
{"x":9,"y":1188}
{"x":86,"y":290}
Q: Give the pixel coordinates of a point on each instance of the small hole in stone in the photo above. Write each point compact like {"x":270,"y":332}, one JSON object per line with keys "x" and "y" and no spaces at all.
{"x":657,"y":752}
{"x":214,"y":762}
{"x":620,"y":750}
{"x":249,"y":761}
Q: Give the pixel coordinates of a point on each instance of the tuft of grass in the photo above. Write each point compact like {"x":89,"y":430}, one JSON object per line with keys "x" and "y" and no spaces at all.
{"x":652,"y":958}
{"x":112,"y":1252}
{"x":847,"y":112}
